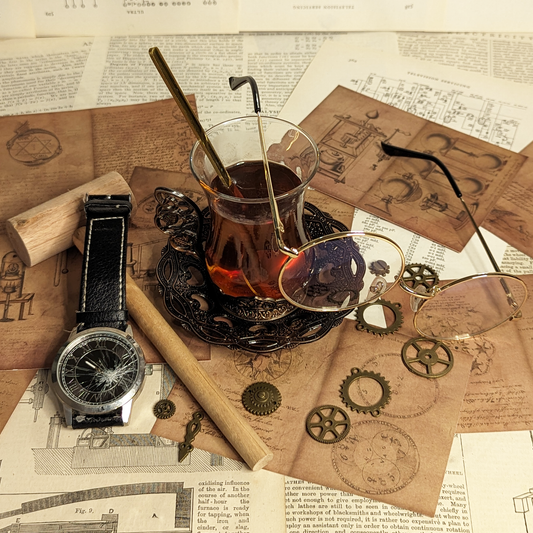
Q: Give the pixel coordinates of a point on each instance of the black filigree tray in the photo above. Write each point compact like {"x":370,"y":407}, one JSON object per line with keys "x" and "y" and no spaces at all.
{"x":198,"y":305}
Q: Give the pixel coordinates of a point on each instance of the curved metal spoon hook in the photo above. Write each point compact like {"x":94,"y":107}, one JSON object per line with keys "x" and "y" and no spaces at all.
{"x":235,"y":83}
{"x":238,"y":81}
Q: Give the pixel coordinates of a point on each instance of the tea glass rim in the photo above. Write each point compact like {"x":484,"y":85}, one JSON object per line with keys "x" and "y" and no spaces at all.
{"x":253,"y":119}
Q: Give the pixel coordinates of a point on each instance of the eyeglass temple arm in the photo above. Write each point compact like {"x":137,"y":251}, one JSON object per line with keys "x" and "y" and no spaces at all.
{"x":235,"y":83}
{"x":391,"y":150}
{"x":404,"y":152}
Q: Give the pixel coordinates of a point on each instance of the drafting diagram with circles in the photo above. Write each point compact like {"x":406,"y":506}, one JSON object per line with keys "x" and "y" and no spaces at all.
{"x":376,"y":458}
{"x":410,"y":396}
{"x":33,"y":147}
{"x":262,"y":366}
{"x":465,"y":152}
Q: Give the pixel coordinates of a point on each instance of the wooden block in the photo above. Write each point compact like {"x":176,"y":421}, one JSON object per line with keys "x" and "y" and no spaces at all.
{"x":47,"y":229}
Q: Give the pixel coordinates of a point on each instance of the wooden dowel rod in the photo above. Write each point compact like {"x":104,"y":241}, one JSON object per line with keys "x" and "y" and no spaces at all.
{"x":206,"y":392}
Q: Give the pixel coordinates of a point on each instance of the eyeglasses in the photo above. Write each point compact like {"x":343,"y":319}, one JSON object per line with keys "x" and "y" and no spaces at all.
{"x":334,"y":272}
{"x":471,"y":305}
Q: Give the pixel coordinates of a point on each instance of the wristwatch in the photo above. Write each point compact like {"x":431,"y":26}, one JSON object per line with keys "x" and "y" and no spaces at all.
{"x":100,"y":369}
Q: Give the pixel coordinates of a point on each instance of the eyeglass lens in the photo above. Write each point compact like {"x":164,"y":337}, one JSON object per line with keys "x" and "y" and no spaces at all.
{"x":466,"y":308}
{"x":341,"y":271}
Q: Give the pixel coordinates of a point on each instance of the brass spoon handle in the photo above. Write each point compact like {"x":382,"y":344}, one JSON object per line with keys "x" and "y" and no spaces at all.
{"x":188,"y":113}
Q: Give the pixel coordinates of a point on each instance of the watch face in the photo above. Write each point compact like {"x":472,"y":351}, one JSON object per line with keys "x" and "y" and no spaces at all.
{"x":99,"y":370}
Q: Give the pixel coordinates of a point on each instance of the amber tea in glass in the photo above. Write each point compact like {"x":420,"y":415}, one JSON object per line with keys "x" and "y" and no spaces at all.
{"x":241,"y":253}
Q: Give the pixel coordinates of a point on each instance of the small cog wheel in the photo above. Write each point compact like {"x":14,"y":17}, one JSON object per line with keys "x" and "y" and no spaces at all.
{"x":429,"y":353}
{"x":379,"y":268}
{"x":328,"y":424}
{"x":363,"y":325}
{"x":261,"y":398}
{"x":164,"y":409}
{"x":418,"y":275}
{"x":374,"y":409}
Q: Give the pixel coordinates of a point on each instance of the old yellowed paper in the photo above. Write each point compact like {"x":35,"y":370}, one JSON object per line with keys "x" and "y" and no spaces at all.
{"x":511,"y":218}
{"x":392,"y":456}
{"x":13,"y":384}
{"x":500,"y":386}
{"x":50,"y":154}
{"x":349,"y":129}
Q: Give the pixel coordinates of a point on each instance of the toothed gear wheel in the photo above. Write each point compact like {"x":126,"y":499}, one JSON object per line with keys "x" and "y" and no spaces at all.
{"x":416,"y":275}
{"x":328,"y":424}
{"x":379,"y":268}
{"x":374,"y":409}
{"x":261,"y":398}
{"x":164,"y":409}
{"x":432,"y":358}
{"x":363,"y":325}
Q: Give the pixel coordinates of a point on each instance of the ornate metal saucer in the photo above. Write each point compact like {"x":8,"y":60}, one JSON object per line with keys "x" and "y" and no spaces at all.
{"x":253,"y":324}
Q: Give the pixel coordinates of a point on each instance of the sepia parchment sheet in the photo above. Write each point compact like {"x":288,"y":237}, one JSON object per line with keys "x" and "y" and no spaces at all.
{"x":511,"y":218}
{"x":395,"y":457}
{"x":500,"y":386}
{"x":349,"y":128}
{"x":48,"y":154}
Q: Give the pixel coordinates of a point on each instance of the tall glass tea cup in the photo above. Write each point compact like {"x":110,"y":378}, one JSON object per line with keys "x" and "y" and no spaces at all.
{"x":241,"y":253}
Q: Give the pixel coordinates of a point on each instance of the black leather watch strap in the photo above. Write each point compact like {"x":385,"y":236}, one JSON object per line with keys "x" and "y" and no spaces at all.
{"x":103,"y":277}
{"x":81,"y":420}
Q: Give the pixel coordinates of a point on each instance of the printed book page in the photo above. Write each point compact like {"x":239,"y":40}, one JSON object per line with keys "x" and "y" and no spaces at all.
{"x":486,"y":487}
{"x":68,"y":18}
{"x":513,"y":16}
{"x":85,"y":73}
{"x":492,"y":110}
{"x":351,"y":15}
{"x":202,"y":66}
{"x":503,"y":55}
{"x":16,"y":19}
{"x":122,"y":478}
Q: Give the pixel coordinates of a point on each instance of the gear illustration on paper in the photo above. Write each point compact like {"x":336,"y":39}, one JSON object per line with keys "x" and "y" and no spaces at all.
{"x":363,"y":325}
{"x":429,"y":353}
{"x":261,"y":398}
{"x":33,"y":146}
{"x":416,"y":275}
{"x":375,"y":408}
{"x":328,"y":424}
{"x":164,"y":409}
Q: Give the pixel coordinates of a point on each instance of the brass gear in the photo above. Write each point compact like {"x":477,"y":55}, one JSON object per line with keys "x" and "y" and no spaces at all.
{"x":261,"y":398}
{"x":437,"y":353}
{"x":416,"y":275}
{"x":332,"y":423}
{"x":164,"y":409}
{"x":363,"y":325}
{"x":374,"y":409}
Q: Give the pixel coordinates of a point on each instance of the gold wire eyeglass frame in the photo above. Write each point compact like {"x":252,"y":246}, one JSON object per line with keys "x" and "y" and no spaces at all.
{"x":418,"y":299}
{"x":293,"y":253}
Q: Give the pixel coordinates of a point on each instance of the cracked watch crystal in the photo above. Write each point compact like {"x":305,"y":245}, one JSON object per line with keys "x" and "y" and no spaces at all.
{"x":98,"y":371}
